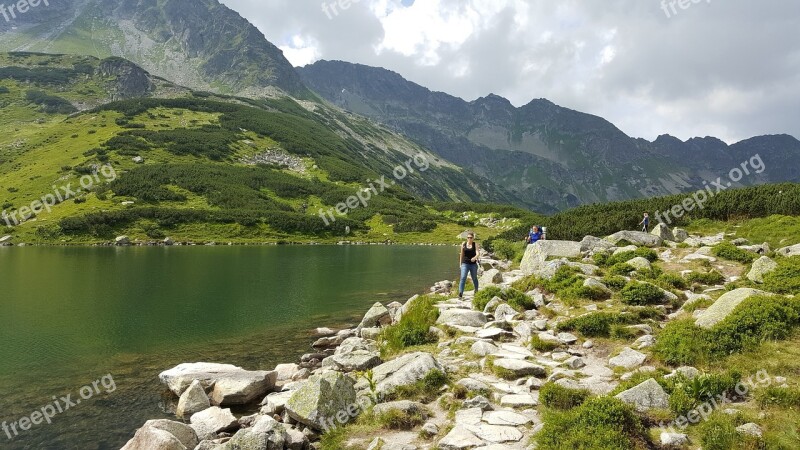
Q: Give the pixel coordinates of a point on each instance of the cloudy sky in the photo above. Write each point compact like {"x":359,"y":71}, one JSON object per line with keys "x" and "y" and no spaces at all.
{"x":728,"y":68}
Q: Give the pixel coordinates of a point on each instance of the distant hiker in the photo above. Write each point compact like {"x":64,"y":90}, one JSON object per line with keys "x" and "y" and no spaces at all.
{"x":645,"y":223}
{"x":535,"y":234}
{"x":468,"y":261}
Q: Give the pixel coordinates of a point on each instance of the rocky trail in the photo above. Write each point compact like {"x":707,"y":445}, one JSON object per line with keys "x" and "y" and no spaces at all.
{"x":494,"y":361}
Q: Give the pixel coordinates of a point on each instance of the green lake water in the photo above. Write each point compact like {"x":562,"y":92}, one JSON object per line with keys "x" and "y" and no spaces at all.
{"x":71,"y":316}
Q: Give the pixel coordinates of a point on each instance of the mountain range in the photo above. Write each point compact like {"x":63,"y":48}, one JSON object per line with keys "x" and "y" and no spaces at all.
{"x":540,"y":156}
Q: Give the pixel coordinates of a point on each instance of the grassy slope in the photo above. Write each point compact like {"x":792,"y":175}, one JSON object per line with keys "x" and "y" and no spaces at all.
{"x":40,"y":150}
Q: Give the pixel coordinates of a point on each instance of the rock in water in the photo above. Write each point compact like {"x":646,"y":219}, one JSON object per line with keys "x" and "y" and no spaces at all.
{"x":193,"y":400}
{"x":761,"y":267}
{"x":232,"y":385}
{"x":725,"y":305}
{"x":212,"y":421}
{"x":376,"y":316}
{"x":265,"y":434}
{"x":163,"y":435}
{"x":324,"y":401}
{"x":646,"y":396}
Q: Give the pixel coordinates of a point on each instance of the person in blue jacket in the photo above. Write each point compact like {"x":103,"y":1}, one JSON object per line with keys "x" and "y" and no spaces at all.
{"x":534,"y":235}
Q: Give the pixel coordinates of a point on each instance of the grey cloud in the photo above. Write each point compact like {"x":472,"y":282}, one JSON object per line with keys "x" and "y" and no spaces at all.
{"x":659,"y":81}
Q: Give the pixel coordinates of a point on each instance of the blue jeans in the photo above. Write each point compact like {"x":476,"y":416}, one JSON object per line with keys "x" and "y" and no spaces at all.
{"x":472,"y":269}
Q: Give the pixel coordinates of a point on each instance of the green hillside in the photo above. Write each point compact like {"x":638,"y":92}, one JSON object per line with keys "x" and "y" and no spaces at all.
{"x":167,"y":161}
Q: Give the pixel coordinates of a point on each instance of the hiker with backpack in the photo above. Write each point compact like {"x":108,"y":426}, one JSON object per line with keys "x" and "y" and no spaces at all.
{"x":535,"y":234}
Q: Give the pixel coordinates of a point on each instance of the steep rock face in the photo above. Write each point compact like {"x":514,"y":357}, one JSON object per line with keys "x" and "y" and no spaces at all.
{"x":131,"y":80}
{"x":186,"y":41}
{"x":543,"y":152}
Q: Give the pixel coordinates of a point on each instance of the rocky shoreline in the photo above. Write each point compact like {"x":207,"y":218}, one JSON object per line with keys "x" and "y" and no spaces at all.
{"x":495,"y":371}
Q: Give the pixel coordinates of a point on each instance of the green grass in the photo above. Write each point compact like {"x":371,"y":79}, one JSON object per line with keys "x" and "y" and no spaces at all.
{"x":413,"y":329}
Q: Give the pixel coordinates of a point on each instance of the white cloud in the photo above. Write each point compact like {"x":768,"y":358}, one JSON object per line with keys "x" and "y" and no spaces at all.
{"x":726,"y":68}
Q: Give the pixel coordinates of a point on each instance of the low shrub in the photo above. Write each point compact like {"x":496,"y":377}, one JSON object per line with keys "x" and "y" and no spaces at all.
{"x":709,"y":278}
{"x":517,"y":299}
{"x":621,"y":269}
{"x":647,"y":253}
{"x":512,"y":251}
{"x":727,"y":250}
{"x":614,"y":282}
{"x":754,"y":321}
{"x":641,"y":294}
{"x":484,"y":296}
{"x":555,"y":396}
{"x":671,"y":281}
{"x":688,"y":394}
{"x":786,"y":278}
{"x":602,"y":423}
{"x":596,"y":324}
{"x":682,"y":343}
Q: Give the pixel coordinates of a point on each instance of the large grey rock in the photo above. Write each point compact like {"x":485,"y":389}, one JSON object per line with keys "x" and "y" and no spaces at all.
{"x":323,"y":401}
{"x":163,"y":435}
{"x":122,"y":241}
{"x":495,"y":433}
{"x":505,"y":418}
{"x":193,"y":400}
{"x":483,"y":348}
{"x":209,"y":422}
{"x":639,"y":238}
{"x":520,"y":368}
{"x":401,"y":371}
{"x":462,"y":317}
{"x":663,"y":232}
{"x":590,"y":243}
{"x":725,"y":305}
{"x":460,"y":438}
{"x":669,"y":440}
{"x":5,"y":240}
{"x":354,"y":354}
{"x":646,"y":396}
{"x":680,"y":234}
{"x":640,"y":263}
{"x":505,"y":311}
{"x":265,"y":434}
{"x":378,"y":315}
{"x":628,"y":359}
{"x":792,"y":250}
{"x":750,"y":429}
{"x":761,"y":267}
{"x":490,"y":277}
{"x":232,"y":385}
{"x":537,"y":253}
